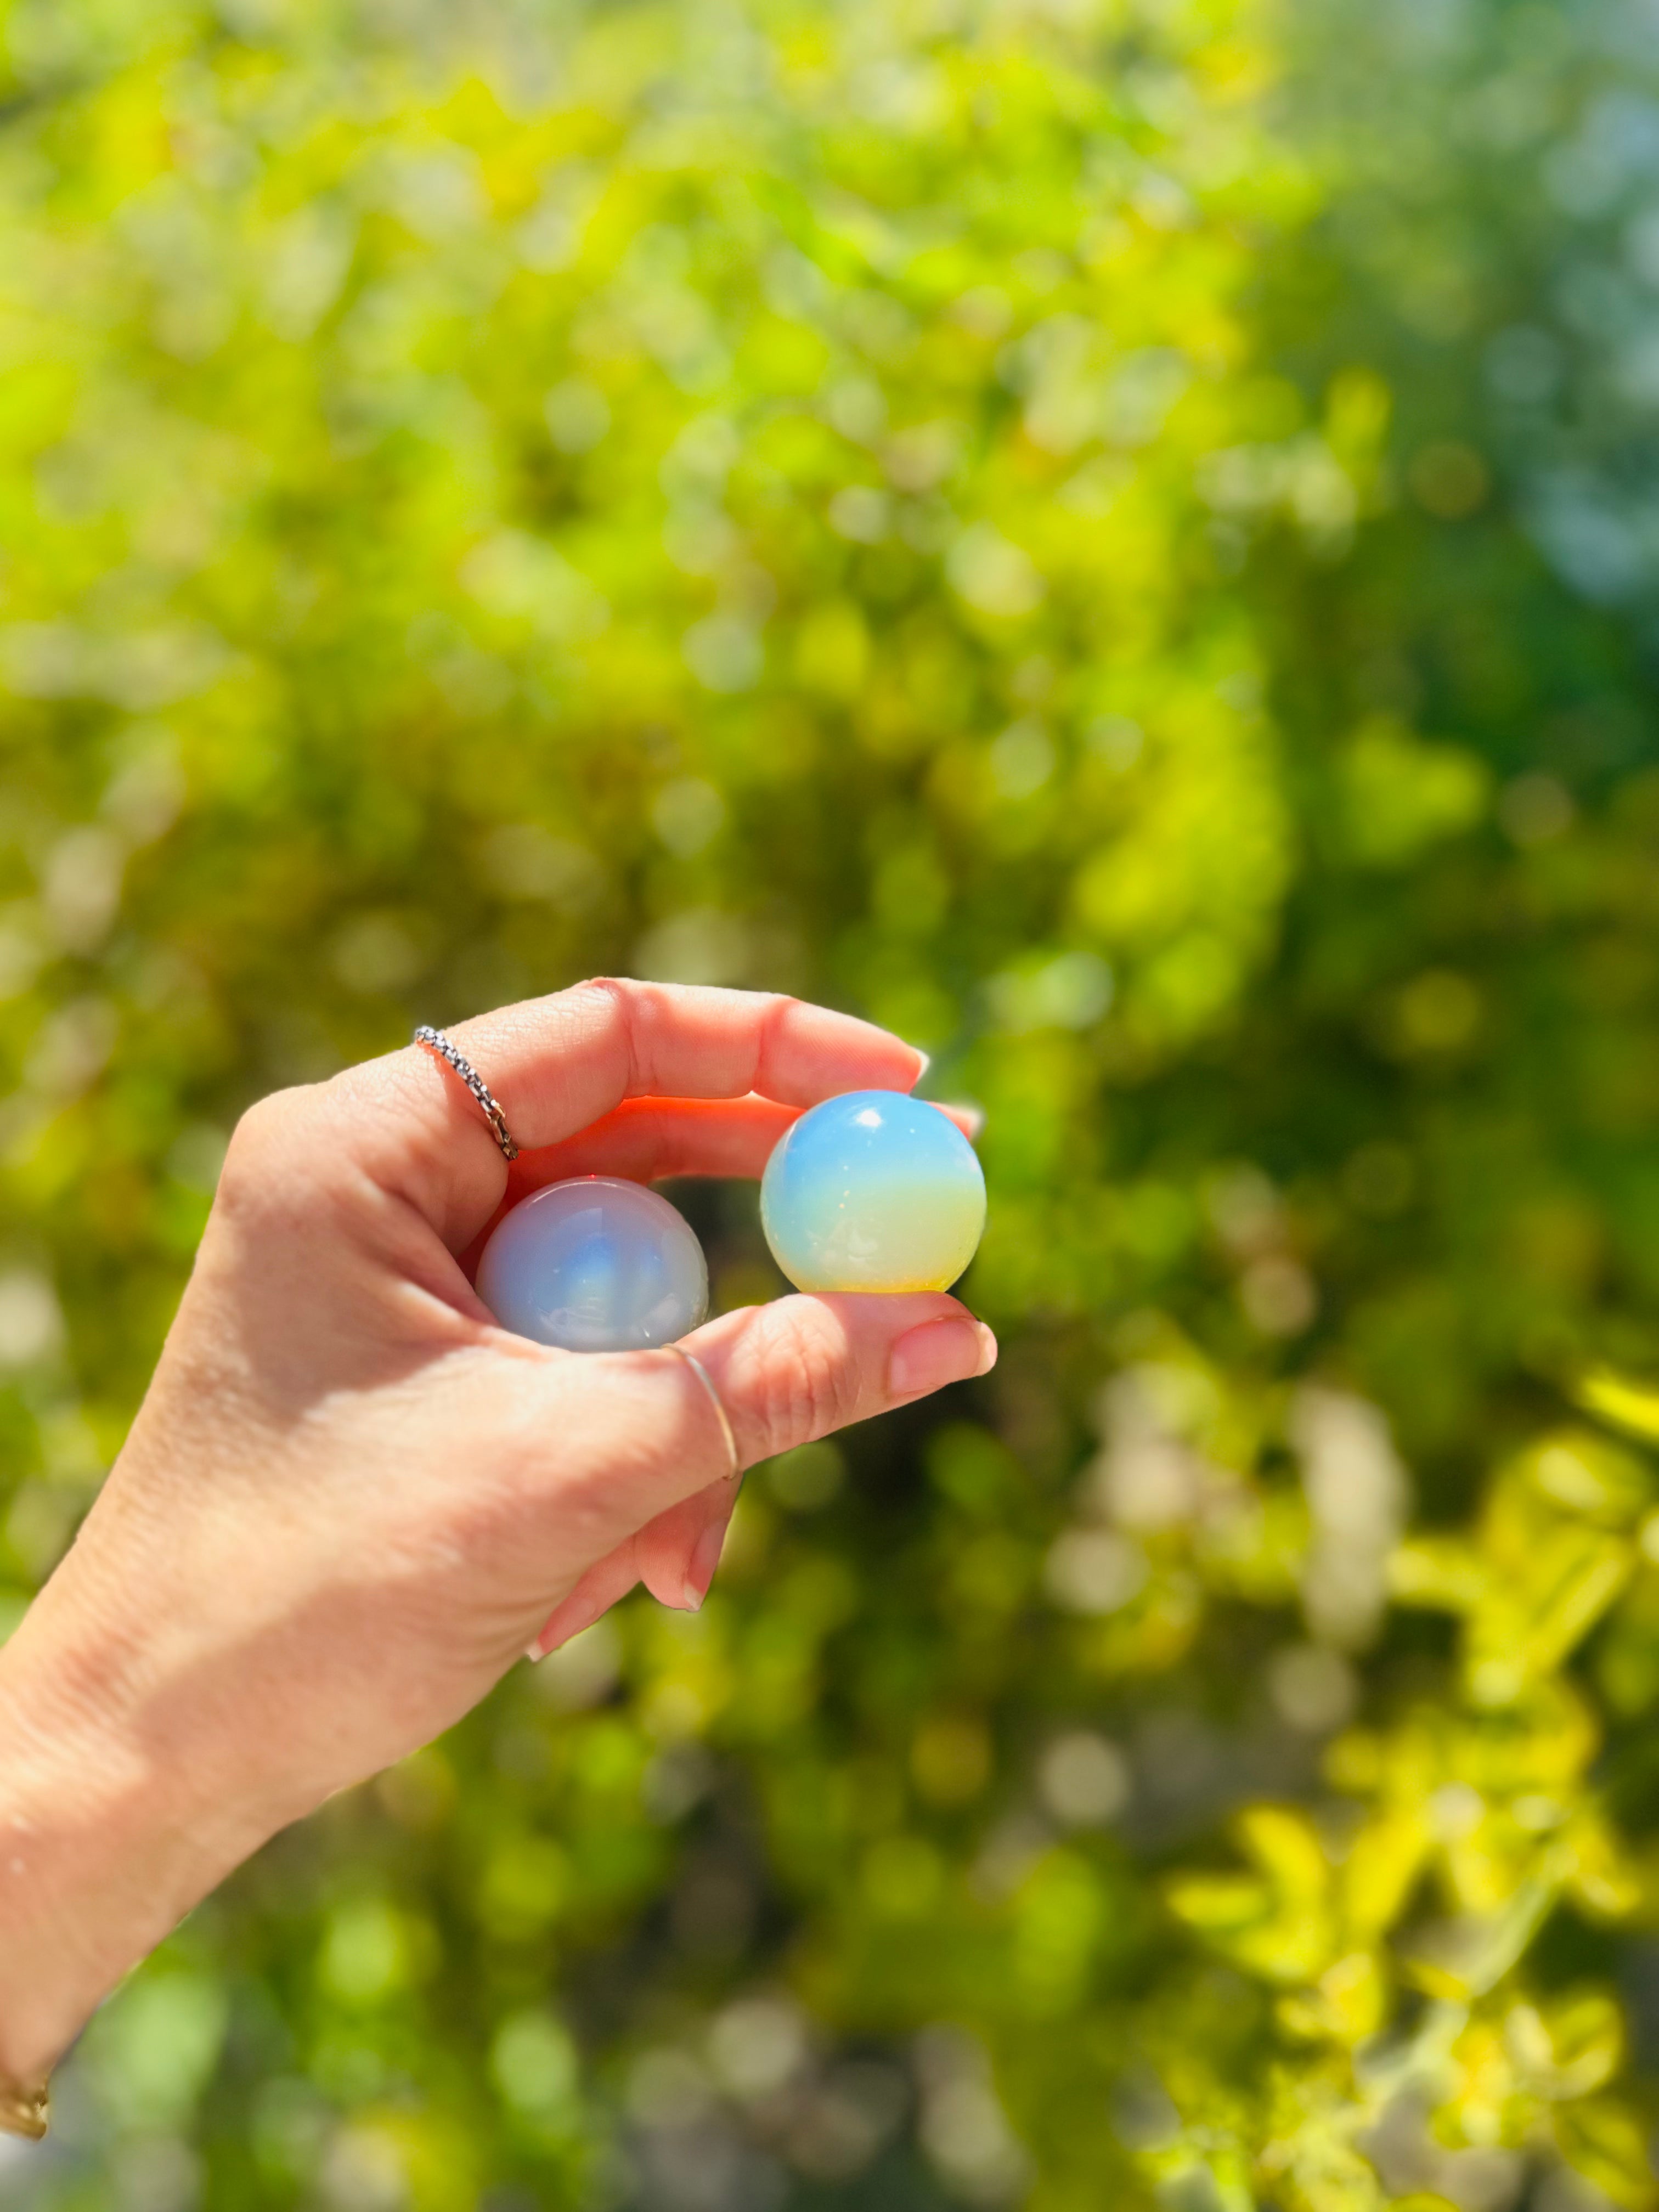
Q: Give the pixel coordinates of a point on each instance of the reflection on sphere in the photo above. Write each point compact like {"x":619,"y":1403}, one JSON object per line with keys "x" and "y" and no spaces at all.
{"x":595,"y":1265}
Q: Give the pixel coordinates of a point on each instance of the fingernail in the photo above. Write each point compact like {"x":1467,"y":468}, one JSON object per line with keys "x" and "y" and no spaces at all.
{"x":925,"y":1058}
{"x":939,"y":1352}
{"x":704,"y":1560}
{"x":975,"y":1118}
{"x":566,"y":1621}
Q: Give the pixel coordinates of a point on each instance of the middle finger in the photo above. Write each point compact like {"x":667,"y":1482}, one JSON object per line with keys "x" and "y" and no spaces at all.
{"x":649,"y":1140}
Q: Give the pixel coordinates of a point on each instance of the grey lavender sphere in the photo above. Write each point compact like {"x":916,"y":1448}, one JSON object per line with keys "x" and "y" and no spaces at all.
{"x":595,"y":1265}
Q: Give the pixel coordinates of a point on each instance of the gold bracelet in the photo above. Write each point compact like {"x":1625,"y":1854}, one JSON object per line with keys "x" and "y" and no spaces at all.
{"x":24,"y":2110}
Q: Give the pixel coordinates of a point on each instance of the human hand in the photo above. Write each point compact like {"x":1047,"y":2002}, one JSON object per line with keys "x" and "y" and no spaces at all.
{"x":349,"y":1501}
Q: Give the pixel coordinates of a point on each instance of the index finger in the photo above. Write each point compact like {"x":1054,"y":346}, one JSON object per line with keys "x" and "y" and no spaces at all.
{"x":557,"y":1063}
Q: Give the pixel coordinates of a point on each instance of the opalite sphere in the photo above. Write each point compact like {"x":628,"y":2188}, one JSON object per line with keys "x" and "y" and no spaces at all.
{"x":872,"y":1191}
{"x":595,"y":1265}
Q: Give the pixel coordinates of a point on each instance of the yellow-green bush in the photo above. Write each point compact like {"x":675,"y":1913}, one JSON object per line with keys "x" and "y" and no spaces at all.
{"x":1110,"y":538}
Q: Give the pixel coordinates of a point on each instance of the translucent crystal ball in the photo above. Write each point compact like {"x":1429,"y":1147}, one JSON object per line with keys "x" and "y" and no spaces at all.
{"x":595,"y":1265}
{"x":872,"y":1191}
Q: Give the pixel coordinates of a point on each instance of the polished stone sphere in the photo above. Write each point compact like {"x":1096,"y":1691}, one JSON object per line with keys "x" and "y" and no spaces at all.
{"x":595,"y":1265}
{"x":872,"y":1191}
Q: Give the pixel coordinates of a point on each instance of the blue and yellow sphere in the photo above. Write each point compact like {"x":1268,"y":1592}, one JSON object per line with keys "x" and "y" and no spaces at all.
{"x":873,"y":1191}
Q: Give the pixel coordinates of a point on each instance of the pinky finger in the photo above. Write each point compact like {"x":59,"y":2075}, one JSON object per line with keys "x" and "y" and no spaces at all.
{"x":599,"y":1589}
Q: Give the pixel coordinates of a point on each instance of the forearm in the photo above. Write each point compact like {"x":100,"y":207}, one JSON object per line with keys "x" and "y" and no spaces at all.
{"x":100,"y":1851}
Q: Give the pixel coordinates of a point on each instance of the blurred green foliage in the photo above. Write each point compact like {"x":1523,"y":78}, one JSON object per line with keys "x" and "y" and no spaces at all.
{"x":1115,"y":537}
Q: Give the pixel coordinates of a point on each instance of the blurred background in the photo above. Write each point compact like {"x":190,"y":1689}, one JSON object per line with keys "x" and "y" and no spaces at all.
{"x":1120,"y":538}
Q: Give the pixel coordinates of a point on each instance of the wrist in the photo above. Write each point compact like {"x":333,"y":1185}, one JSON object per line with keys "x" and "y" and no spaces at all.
{"x":102,"y":1851}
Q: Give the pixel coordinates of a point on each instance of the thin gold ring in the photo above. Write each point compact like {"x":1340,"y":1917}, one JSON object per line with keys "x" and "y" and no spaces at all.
{"x":25,"y":2109}
{"x":735,"y":1466}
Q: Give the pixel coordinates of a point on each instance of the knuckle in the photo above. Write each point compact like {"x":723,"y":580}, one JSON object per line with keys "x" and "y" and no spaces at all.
{"x":810,"y":1388}
{"x":610,"y":995}
{"x":280,"y":1167}
{"x":259,"y":1124}
{"x":777,"y":1011}
{"x":261,"y":1141}
{"x":606,"y":1005}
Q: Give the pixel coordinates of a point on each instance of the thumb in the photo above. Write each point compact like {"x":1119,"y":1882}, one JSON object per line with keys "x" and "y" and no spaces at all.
{"x":786,"y":1374}
{"x":792,"y":1371}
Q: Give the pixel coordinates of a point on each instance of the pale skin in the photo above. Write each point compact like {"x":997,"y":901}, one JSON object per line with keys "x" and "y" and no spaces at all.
{"x":350,"y":1503}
